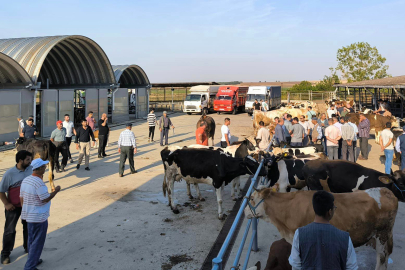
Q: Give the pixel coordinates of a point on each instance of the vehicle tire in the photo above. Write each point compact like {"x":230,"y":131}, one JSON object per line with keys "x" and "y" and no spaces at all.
{"x":234,"y":111}
{"x":189,"y":113}
{"x":218,"y":112}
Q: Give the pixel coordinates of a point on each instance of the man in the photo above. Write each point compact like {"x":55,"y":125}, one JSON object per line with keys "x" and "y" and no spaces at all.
{"x":90,"y":121}
{"x":400,"y":147}
{"x":317,"y":133}
{"x":333,"y":135}
{"x":200,"y":134}
{"x":152,"y":123}
{"x":29,"y":131}
{"x":387,"y":147}
{"x":256,"y":107}
{"x":82,"y":140}
{"x":364,"y":133}
{"x":263,"y":137}
{"x":305,"y":125}
{"x":331,"y":112}
{"x":347,"y":140}
{"x":323,"y":122}
{"x":356,"y":133}
{"x":29,"y":117}
{"x":288,"y":126}
{"x":10,"y":184}
{"x":58,"y":137}
{"x":340,"y":109}
{"x":127,"y":149}
{"x":21,"y":124}
{"x":279,"y":134}
{"x":320,"y":245}
{"x":226,"y":134}
{"x":103,"y":132}
{"x":164,"y":126}
{"x":70,"y":130}
{"x":381,"y":107}
{"x":349,"y":108}
{"x":337,"y":124}
{"x":36,"y":202}
{"x":297,"y":133}
{"x":264,"y":105}
{"x":310,"y":113}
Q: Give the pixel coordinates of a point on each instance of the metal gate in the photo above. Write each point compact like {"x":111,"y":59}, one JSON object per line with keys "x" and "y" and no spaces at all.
{"x":49,"y":111}
{"x":120,"y":110}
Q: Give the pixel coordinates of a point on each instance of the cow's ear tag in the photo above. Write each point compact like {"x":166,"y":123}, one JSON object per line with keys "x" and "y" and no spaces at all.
{"x":385,"y":179}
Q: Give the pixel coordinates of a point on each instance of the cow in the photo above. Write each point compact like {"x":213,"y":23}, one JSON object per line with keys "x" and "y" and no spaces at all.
{"x":368,"y":216}
{"x":279,"y":253}
{"x":210,"y":126}
{"x":206,"y":166}
{"x":340,"y":176}
{"x":44,"y":149}
{"x":297,"y":150}
{"x":377,"y":122}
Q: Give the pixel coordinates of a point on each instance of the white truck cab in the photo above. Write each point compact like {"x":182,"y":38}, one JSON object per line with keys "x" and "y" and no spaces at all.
{"x":271,"y":94}
{"x":200,"y":99}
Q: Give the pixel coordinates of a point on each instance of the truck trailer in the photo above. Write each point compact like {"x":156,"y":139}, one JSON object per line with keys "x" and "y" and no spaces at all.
{"x":200,"y":99}
{"x":271,"y":94}
{"x":230,"y":99}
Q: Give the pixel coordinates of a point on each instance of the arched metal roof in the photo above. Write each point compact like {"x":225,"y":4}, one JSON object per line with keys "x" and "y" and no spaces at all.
{"x":12,"y":74}
{"x":64,"y":60}
{"x":130,"y":76}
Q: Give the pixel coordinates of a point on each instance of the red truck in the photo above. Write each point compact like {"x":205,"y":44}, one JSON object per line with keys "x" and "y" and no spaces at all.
{"x":230,"y":99}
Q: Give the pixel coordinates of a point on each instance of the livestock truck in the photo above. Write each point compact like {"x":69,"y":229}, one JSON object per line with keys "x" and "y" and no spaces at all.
{"x":271,"y":94}
{"x":230,"y":99}
{"x":200,"y":99}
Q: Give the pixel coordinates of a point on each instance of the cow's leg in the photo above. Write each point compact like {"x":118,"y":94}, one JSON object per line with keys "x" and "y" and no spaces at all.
{"x":236,"y":187}
{"x":170,"y":193}
{"x":383,"y":248}
{"x":51,"y":176}
{"x":213,"y":141}
{"x":197,"y":188}
{"x":189,"y":191}
{"x":221,"y":214}
{"x":233,"y":186}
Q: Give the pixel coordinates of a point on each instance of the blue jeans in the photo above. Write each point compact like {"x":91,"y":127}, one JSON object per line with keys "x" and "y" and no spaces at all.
{"x":325,"y":149}
{"x":402,"y":159}
{"x":36,"y":242}
{"x":389,"y":155}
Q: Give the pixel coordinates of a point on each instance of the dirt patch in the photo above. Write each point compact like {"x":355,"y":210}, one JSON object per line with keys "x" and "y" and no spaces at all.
{"x":174,"y":260}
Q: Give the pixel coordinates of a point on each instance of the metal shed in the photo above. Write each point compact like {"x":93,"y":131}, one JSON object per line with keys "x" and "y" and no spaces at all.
{"x":16,"y":97}
{"x":132,"y":96}
{"x":72,"y":74}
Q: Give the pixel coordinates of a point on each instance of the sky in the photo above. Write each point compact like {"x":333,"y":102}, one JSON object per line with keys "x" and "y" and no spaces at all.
{"x":219,"y":40}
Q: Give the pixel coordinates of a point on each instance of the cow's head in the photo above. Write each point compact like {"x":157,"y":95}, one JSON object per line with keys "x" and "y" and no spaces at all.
{"x":19,"y":141}
{"x":255,"y":207}
{"x":249,"y":145}
{"x":252,"y":165}
{"x":397,"y":181}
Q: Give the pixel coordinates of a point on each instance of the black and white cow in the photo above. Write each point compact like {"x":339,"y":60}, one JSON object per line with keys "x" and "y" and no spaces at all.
{"x":215,"y":168}
{"x":341,"y":176}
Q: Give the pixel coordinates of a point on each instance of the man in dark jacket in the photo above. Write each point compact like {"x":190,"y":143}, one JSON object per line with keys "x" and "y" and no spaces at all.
{"x":82,"y":141}
{"x":320,"y":245}
{"x":164,"y":126}
{"x":103,"y":132}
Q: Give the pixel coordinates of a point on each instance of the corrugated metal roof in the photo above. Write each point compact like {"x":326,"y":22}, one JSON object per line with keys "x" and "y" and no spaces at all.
{"x":64,"y":60}
{"x":398,"y":82}
{"x":130,"y":76}
{"x":11,"y":73}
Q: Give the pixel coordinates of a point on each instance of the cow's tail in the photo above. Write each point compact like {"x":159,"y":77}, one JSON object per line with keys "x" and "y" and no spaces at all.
{"x":164,"y":185}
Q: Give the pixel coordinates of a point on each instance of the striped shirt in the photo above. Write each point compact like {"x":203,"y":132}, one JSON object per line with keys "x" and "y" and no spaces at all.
{"x":127,"y":138}
{"x":33,"y":191}
{"x":151,"y":119}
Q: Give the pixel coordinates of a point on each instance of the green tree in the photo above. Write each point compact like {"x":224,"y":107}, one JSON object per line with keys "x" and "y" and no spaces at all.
{"x":359,"y":62}
{"x":328,"y":81}
{"x":302,"y":86}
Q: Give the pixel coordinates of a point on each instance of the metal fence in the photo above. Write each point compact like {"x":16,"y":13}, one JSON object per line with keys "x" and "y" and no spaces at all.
{"x":217,"y":262}
{"x":308,"y":95}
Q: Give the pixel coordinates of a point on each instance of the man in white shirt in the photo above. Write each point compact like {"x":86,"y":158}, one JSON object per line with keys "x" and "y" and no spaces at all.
{"x":21,"y":124}
{"x":263,"y":137}
{"x":35,"y":201}
{"x":226,"y":134}
{"x":331,"y":111}
{"x":387,"y":147}
{"x":70,"y":130}
{"x":127,"y":148}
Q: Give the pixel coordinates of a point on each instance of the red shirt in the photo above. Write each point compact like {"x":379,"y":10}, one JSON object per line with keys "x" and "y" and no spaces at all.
{"x":198,"y":132}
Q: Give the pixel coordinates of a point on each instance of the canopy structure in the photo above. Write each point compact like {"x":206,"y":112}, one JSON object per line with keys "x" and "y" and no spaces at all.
{"x":12,"y":75}
{"x":61,"y":61}
{"x":392,"y":82}
{"x":130,"y":76}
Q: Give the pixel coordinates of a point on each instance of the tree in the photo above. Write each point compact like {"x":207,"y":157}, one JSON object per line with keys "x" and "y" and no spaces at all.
{"x":304,"y":85}
{"x":359,"y":62}
{"x":328,"y":81}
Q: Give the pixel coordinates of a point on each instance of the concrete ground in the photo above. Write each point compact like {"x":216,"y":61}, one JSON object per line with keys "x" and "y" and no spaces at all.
{"x":366,"y":256}
{"x":101,"y":221}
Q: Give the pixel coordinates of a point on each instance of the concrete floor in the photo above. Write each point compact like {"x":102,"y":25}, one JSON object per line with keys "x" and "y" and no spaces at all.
{"x":101,"y":221}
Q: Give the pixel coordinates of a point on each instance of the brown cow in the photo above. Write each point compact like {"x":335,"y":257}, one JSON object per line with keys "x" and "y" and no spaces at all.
{"x":44,"y":149}
{"x":377,"y":122}
{"x":368,"y":215}
{"x":210,"y":126}
{"x":280,"y":250}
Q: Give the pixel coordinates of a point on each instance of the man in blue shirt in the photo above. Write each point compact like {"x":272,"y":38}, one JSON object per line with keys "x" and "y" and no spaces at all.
{"x":29,"y":131}
{"x":279,"y":135}
{"x":320,"y":245}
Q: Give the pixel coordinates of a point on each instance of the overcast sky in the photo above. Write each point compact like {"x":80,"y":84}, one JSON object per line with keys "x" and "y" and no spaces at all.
{"x":219,"y":40}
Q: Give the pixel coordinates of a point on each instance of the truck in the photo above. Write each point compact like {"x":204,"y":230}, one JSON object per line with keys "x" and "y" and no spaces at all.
{"x":230,"y":99}
{"x":200,"y":99}
{"x":271,"y":94}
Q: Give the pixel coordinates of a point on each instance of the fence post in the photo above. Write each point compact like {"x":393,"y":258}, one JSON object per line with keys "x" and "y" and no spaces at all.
{"x":254,"y":232}
{"x":217,"y":262}
{"x":300,"y":97}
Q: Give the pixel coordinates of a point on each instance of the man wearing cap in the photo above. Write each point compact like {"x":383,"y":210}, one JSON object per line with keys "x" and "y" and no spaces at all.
{"x":29,"y":131}
{"x":35,"y":201}
{"x":82,"y":140}
{"x":127,"y":149}
{"x":10,"y":184}
{"x":347,"y":140}
{"x":21,"y":124}
{"x":164,"y":126}
{"x":58,"y":137}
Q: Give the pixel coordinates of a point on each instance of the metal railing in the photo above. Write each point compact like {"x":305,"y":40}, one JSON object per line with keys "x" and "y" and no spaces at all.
{"x":217,"y":262}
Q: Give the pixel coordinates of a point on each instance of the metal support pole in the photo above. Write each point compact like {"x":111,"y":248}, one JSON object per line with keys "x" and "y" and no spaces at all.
{"x":254,"y":232}
{"x":172,"y":99}
{"x":217,"y":263}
